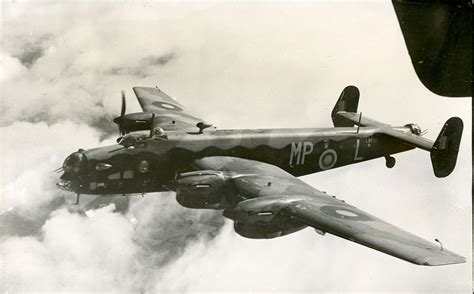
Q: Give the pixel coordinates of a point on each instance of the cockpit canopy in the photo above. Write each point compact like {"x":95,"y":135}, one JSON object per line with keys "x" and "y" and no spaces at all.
{"x":128,"y":141}
{"x":132,"y":140}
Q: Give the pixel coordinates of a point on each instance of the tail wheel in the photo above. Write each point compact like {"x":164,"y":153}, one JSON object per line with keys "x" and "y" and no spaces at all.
{"x":390,"y":161}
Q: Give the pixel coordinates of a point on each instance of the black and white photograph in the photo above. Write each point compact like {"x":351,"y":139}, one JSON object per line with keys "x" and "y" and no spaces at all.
{"x":236,"y":146}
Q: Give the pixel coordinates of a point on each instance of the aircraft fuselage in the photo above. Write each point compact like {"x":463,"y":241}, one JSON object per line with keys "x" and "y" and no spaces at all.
{"x":151,"y":164}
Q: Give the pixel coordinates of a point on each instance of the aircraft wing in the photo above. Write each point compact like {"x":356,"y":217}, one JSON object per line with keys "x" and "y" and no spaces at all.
{"x":170,"y":115}
{"x":271,"y":188}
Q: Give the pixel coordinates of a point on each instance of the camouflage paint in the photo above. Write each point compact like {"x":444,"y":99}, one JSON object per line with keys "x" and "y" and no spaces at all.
{"x":297,"y":151}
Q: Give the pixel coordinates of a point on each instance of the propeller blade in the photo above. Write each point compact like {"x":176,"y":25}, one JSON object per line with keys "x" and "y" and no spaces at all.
{"x":119,"y":120}
{"x":151,"y":124}
{"x":124,"y":105}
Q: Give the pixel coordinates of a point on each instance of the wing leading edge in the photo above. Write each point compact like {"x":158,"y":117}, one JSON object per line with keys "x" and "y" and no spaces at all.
{"x":296,"y":199}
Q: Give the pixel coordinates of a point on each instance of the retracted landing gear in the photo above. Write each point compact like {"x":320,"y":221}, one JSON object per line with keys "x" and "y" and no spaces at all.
{"x":390,"y":161}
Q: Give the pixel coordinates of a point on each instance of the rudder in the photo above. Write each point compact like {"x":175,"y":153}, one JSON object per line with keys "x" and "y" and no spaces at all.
{"x":444,"y":152}
{"x":348,"y":101}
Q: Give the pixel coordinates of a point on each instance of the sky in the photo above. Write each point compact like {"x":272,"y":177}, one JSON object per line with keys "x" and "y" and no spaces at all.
{"x":238,"y":65}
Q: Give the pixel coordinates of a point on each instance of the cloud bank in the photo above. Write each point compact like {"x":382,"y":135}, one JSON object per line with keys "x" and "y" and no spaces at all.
{"x":239,"y":66}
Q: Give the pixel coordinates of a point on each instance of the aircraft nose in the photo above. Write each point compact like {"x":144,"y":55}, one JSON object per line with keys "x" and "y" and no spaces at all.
{"x":76,"y":163}
{"x":75,"y":168}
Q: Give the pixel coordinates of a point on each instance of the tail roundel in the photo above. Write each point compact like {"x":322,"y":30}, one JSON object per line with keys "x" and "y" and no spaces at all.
{"x":444,"y":152}
{"x":347,"y":102}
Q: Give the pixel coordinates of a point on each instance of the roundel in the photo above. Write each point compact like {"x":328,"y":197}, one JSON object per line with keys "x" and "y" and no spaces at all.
{"x":143,"y":166}
{"x":346,"y":213}
{"x":327,"y":159}
{"x":167,"y":106}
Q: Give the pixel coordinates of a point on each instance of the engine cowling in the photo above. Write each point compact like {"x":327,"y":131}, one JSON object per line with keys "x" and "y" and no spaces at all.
{"x":414,"y":128}
{"x":258,"y":210}
{"x":263,"y":218}
{"x":205,"y":189}
{"x":133,"y":122}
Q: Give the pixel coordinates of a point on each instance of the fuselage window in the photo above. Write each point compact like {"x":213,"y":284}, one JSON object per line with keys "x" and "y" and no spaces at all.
{"x":93,"y":186}
{"x":128,"y":174}
{"x":114,"y":176}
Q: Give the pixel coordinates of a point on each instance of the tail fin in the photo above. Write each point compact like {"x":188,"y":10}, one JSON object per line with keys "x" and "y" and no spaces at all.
{"x":444,"y":152}
{"x":348,"y":102}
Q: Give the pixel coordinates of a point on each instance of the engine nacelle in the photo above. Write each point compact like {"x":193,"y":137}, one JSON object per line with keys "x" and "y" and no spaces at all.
{"x":263,"y":218}
{"x":414,"y":128}
{"x":258,"y":210}
{"x":205,"y":189}
{"x":133,"y":122}
{"x":269,"y":230}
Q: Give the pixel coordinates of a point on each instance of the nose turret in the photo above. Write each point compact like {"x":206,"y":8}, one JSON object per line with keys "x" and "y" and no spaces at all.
{"x":75,"y":168}
{"x":76,"y":163}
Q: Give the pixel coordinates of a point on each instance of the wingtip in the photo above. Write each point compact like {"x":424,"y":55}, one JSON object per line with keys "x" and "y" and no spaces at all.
{"x":141,"y":87}
{"x":450,"y":258}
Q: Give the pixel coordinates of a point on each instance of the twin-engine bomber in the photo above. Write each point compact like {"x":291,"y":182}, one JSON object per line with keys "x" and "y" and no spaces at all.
{"x":251,"y":175}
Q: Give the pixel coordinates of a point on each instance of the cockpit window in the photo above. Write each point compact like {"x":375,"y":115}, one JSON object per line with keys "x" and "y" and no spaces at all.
{"x":132,"y":141}
{"x":128,"y":141}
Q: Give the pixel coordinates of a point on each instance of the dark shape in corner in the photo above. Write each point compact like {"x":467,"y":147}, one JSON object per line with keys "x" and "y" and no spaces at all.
{"x":439,"y":41}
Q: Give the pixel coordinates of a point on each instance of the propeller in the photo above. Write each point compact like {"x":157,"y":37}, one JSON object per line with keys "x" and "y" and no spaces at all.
{"x":120,"y":120}
{"x":151,"y":125}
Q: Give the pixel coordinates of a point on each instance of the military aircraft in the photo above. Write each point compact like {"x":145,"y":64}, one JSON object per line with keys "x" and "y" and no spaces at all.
{"x":251,"y":175}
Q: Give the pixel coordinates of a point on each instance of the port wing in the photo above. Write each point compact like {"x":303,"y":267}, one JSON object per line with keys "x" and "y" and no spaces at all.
{"x":168,"y":113}
{"x":271,"y":190}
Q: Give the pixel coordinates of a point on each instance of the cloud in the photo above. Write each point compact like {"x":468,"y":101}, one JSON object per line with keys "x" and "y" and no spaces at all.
{"x":239,"y":66}
{"x":90,"y":256}
{"x":30,"y":155}
{"x":72,"y":250}
{"x":73,"y":68}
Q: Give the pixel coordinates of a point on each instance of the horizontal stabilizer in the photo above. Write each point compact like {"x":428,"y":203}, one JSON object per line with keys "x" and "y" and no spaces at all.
{"x":359,"y":120}
{"x":445,"y":149}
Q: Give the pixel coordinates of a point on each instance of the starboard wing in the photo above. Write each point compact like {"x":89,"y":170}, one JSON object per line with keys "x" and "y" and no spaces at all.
{"x":326,"y":213}
{"x":169,"y":114}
